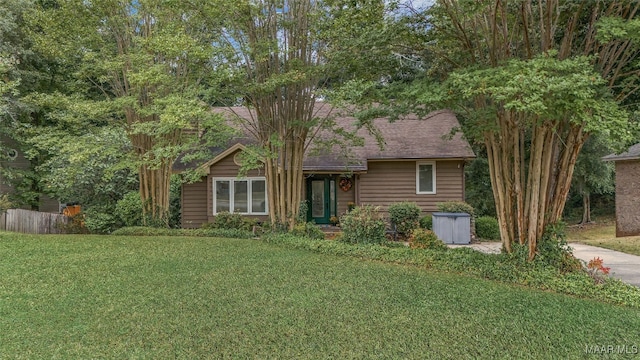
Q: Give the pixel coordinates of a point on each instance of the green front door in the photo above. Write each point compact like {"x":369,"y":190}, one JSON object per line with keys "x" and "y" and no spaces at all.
{"x":321,"y":197}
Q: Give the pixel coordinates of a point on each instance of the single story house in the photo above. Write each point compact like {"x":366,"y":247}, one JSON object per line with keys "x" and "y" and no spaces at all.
{"x":627,"y":191}
{"x":420,"y":161}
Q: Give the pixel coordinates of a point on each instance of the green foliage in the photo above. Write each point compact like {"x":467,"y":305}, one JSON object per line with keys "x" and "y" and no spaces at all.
{"x":156,"y":231}
{"x":227,"y":220}
{"x":591,"y":175}
{"x":303,"y":211}
{"x":100,"y":220}
{"x":363,"y":224}
{"x":487,"y":228}
{"x":456,"y":207}
{"x":406,"y":216}
{"x":137,"y":67}
{"x":507,"y":268}
{"x":426,"y":239}
{"x":478,"y":192}
{"x":75,"y":226}
{"x":129,"y":209}
{"x":426,"y":222}
{"x":554,"y":250}
{"x":545,"y":88}
{"x":308,"y":229}
{"x":175,"y":198}
{"x":5,"y":204}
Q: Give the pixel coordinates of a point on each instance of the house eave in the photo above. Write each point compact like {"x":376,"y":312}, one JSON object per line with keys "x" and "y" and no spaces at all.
{"x":620,"y":158}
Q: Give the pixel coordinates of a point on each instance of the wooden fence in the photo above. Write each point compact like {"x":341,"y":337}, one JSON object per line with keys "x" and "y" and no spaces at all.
{"x":32,"y":222}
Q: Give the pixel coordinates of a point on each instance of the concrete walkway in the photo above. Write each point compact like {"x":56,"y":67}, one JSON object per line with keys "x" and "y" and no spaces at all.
{"x":623,"y":266}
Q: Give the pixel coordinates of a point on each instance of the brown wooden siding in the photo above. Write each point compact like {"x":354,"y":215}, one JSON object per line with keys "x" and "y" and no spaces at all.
{"x":194,"y":204}
{"x":387,"y":182}
{"x":345,"y":197}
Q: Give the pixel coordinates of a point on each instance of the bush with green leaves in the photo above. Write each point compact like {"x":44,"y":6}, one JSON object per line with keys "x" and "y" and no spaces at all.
{"x":553,"y":249}
{"x":308,"y":229}
{"x":426,"y":222}
{"x":426,"y":239}
{"x":303,"y":209}
{"x":405,"y":216}
{"x":227,"y":220}
{"x":75,"y":225}
{"x":5,"y":204}
{"x":456,"y":207}
{"x":129,"y":209}
{"x":363,"y":224}
{"x":100,"y":219}
{"x":487,"y":228}
{"x":155,"y":231}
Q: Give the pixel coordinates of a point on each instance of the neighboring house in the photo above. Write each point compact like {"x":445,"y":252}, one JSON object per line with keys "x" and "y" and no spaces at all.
{"x":15,"y":159}
{"x":421,"y":162}
{"x":627,"y":191}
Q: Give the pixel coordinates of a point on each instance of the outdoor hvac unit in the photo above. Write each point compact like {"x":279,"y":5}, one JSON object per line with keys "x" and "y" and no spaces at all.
{"x":452,"y":228}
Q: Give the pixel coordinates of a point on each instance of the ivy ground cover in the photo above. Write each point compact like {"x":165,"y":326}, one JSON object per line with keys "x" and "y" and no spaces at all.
{"x":187,"y":297}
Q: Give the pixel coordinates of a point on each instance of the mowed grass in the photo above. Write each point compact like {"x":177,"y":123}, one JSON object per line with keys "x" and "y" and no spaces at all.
{"x":603,"y":234}
{"x":179,"y":297}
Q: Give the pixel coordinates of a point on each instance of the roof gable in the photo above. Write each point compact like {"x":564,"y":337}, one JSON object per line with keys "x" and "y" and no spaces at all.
{"x":432,"y":137}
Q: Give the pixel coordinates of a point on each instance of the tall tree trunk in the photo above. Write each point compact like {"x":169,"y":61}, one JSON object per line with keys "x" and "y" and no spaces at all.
{"x":531,"y":196}
{"x":282,"y":48}
{"x":586,"y":207}
{"x":154,"y":175}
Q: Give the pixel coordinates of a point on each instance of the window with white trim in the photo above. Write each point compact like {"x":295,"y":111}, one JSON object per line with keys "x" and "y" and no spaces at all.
{"x":245,"y":196}
{"x":425,"y":177}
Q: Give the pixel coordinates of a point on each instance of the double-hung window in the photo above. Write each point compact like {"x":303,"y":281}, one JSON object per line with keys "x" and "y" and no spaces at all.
{"x":245,"y":196}
{"x":426,"y":177}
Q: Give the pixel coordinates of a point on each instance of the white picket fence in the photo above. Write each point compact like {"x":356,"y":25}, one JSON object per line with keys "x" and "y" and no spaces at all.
{"x":32,"y":222}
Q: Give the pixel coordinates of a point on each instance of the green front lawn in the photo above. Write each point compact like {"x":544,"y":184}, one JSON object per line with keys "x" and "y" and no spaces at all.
{"x":180,"y":297}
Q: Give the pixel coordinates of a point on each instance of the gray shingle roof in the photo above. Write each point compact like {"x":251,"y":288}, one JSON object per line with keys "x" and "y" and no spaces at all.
{"x":632,"y":154}
{"x":406,"y":138}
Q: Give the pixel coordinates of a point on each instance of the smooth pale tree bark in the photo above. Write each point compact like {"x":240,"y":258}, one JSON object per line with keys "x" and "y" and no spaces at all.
{"x":146,"y":59}
{"x":287,"y":53}
{"x":534,"y":123}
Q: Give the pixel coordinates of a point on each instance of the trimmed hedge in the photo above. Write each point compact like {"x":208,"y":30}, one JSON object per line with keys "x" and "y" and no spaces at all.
{"x":425,"y":239}
{"x":227,"y":220}
{"x":363,"y":224}
{"x":426,"y":222}
{"x":456,"y":207}
{"x":150,"y":231}
{"x":487,"y":228}
{"x":308,"y":229}
{"x":406,"y":216}
{"x":505,"y":268}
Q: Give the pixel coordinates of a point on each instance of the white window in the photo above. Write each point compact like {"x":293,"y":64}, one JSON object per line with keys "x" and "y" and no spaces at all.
{"x":426,"y":177}
{"x":244,"y":196}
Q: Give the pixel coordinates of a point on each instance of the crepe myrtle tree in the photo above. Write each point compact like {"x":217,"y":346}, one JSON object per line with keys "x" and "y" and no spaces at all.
{"x":144,"y":59}
{"x":532,"y":81}
{"x":281,"y":55}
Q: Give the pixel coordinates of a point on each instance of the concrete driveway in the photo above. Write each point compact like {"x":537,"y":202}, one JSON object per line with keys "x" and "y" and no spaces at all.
{"x":623,"y":266}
